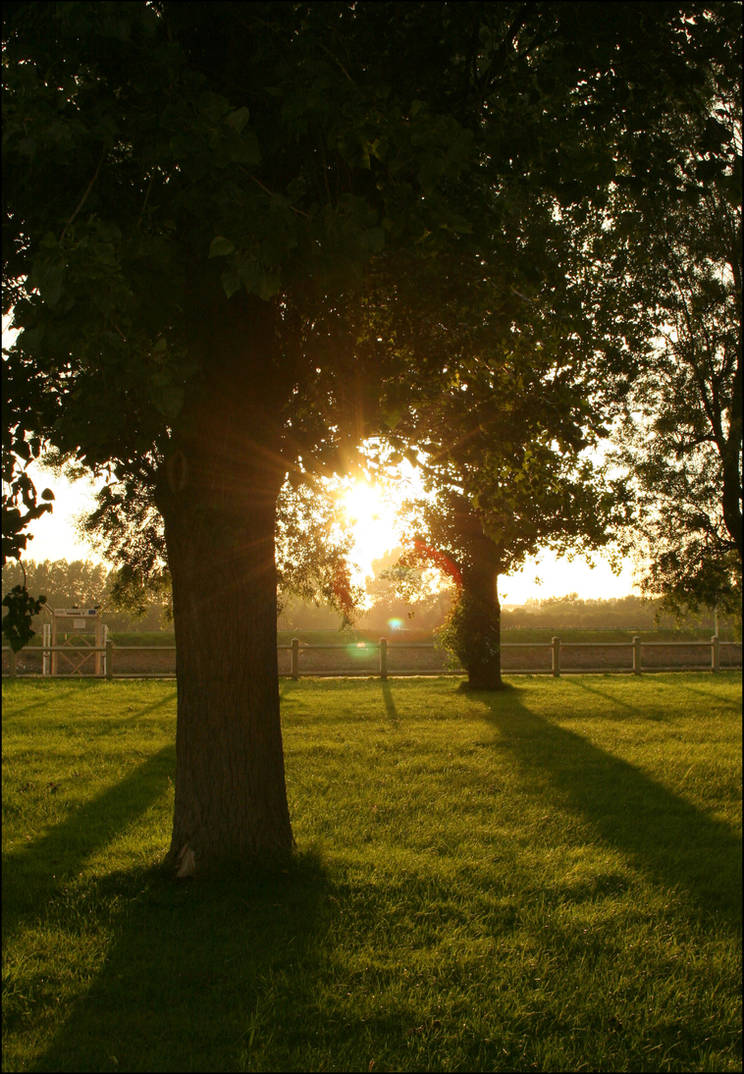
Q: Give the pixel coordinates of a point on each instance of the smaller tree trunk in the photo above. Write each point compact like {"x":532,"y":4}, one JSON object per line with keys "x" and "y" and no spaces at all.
{"x":481,"y":626}
{"x":474,"y":629}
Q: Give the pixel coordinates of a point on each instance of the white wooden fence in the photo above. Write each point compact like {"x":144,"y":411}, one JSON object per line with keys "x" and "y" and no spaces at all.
{"x":385,"y":659}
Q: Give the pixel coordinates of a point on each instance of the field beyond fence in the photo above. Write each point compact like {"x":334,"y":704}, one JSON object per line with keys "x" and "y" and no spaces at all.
{"x":385,"y":657}
{"x":546,"y":878}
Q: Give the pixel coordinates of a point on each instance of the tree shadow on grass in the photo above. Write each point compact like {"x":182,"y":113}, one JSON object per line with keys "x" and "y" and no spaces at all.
{"x":35,"y":872}
{"x":700,"y":690}
{"x":84,"y":684}
{"x":580,"y":683}
{"x":390,"y":708}
{"x":194,"y":968}
{"x":134,"y":715}
{"x":200,"y":974}
{"x":676,"y":844}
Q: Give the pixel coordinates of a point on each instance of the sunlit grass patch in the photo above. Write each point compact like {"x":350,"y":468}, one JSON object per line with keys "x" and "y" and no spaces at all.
{"x":546,"y":878}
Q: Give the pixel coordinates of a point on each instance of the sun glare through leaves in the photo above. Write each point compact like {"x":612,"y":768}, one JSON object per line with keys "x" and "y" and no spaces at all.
{"x":371,"y":510}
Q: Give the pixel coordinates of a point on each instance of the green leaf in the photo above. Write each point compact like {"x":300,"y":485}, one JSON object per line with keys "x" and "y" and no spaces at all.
{"x":221,"y":247}
{"x":249,"y":272}
{"x":16,"y":624}
{"x":52,"y":288}
{"x":238,"y":119}
{"x":230,"y":282}
{"x":269,"y":284}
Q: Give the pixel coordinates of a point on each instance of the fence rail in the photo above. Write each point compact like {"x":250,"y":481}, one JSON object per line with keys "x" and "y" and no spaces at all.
{"x":383,"y":659}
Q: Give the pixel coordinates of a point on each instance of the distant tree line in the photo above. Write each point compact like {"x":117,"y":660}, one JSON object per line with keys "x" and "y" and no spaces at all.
{"x":631,"y":612}
{"x":86,"y":584}
{"x":83,"y":584}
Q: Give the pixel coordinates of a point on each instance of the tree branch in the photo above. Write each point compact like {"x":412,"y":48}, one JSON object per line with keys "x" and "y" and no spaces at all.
{"x":271,"y":193}
{"x":336,"y":61}
{"x":84,"y":198}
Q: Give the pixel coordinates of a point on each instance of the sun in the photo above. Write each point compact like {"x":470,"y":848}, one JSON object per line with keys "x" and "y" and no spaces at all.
{"x":371,"y":510}
{"x":364,"y":502}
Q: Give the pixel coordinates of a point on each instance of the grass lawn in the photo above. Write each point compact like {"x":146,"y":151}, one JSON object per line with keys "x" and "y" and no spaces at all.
{"x":543,"y":879}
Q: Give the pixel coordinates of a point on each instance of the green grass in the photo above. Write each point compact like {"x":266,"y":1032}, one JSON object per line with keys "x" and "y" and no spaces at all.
{"x":544,"y":879}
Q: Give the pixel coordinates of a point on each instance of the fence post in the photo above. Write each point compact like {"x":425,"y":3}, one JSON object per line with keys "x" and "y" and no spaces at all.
{"x":715,"y":653}
{"x":383,"y":658}
{"x":109,"y":659}
{"x":636,"y":655}
{"x":295,"y":665}
{"x":556,"y":657}
{"x":46,"y":656}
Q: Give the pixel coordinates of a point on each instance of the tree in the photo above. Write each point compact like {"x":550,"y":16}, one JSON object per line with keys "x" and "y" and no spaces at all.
{"x":504,"y":488}
{"x":504,"y":438}
{"x":681,"y":432}
{"x":78,"y":583}
{"x":669,"y":210}
{"x":668,"y":271}
{"x":191,"y":195}
{"x":219,"y":224}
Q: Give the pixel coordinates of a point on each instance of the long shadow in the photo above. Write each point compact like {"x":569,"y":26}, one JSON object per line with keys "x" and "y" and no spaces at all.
{"x":34,"y":873}
{"x":699,"y":691}
{"x":387,"y":697}
{"x":199,"y":969}
{"x":287,"y":687}
{"x":581,"y":684}
{"x":113,"y":723}
{"x":84,"y":684}
{"x":132,"y":716}
{"x":172,"y":696}
{"x":666,"y":836}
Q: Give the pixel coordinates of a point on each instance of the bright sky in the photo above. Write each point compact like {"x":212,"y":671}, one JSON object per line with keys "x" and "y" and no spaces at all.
{"x":372,"y":511}
{"x":54,"y":534}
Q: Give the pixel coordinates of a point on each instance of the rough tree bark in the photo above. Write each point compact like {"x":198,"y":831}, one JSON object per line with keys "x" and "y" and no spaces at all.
{"x":217,"y":493}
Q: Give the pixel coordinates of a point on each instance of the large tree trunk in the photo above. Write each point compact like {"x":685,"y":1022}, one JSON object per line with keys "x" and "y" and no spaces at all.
{"x":217,"y":493}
